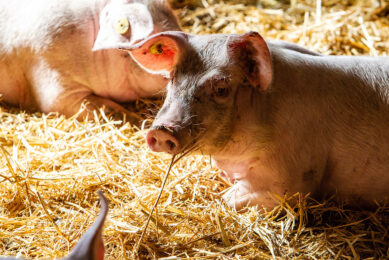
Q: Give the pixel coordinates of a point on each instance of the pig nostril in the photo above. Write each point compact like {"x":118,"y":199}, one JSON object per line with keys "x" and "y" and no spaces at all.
{"x":152,"y":141}
{"x":161,"y":141}
{"x":171,"y":145}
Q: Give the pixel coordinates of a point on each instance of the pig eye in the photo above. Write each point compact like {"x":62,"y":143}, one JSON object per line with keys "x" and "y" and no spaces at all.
{"x":221,"y":90}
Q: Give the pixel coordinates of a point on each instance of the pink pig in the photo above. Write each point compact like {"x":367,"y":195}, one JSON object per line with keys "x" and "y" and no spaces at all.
{"x":47,"y":61}
{"x":275,"y":117}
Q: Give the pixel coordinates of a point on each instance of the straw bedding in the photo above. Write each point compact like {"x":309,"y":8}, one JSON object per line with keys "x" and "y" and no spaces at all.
{"x":51,"y":167}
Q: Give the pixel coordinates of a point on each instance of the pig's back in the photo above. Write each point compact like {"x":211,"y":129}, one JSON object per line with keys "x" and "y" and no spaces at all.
{"x":34,"y":24}
{"x":343,"y":76}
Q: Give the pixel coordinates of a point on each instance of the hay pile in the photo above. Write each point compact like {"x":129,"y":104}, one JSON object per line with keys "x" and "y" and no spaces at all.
{"x":51,"y":167}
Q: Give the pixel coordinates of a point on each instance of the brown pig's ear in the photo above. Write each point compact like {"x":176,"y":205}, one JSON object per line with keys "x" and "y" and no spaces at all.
{"x":157,"y":54}
{"x":252,"y":54}
{"x":91,"y":246}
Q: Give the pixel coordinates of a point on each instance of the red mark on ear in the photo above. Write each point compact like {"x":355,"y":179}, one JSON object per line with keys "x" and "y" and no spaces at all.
{"x":157,"y":54}
{"x":169,"y":53}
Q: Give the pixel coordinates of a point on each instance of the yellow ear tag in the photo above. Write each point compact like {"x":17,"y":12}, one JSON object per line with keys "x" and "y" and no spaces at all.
{"x":157,"y":48}
{"x":122,"y":26}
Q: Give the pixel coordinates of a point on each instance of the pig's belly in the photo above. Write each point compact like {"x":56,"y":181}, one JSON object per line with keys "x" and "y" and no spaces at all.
{"x":14,"y":87}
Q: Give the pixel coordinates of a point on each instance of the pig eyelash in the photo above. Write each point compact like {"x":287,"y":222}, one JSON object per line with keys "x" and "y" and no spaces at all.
{"x":216,"y":80}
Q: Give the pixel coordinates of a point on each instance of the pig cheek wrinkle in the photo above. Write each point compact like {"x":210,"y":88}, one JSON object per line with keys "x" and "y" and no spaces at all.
{"x":223,"y":129}
{"x":227,"y":115}
{"x":217,"y":121}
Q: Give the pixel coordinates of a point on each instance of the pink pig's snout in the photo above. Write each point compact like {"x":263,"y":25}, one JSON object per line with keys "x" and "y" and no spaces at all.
{"x":162,"y":141}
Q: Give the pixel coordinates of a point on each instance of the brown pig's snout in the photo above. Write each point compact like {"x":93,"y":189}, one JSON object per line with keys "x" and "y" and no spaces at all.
{"x":160,"y":140}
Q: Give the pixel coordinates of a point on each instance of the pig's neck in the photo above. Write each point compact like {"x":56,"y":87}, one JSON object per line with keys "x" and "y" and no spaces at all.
{"x":250,"y":137}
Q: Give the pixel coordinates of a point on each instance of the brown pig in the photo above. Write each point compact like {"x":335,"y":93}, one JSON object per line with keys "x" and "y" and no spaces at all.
{"x":46,"y":57}
{"x":90,"y":246}
{"x":275,"y":117}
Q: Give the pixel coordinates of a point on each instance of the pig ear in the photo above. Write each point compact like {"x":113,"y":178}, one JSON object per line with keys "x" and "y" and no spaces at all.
{"x":123,"y":23}
{"x":252,"y":54}
{"x":157,"y":54}
{"x":91,"y":244}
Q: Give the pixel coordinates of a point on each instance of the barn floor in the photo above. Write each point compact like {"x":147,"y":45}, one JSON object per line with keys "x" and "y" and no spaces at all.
{"x":51,"y":167}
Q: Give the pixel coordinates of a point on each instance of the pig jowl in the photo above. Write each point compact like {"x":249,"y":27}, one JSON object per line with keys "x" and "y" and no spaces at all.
{"x":47,"y":62}
{"x":275,"y":117}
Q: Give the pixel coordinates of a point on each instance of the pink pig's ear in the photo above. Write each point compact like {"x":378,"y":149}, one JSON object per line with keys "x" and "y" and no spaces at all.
{"x":123,"y":22}
{"x":252,"y":54}
{"x":91,"y":246}
{"x":157,"y":54}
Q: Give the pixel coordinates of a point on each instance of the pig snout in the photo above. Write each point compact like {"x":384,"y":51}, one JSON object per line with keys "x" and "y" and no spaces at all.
{"x":160,"y":140}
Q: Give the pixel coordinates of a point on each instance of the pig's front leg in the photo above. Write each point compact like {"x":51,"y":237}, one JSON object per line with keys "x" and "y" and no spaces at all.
{"x":257,"y":184}
{"x":253,"y":183}
{"x":111,"y":108}
{"x":53,"y":92}
{"x":69,"y":103}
